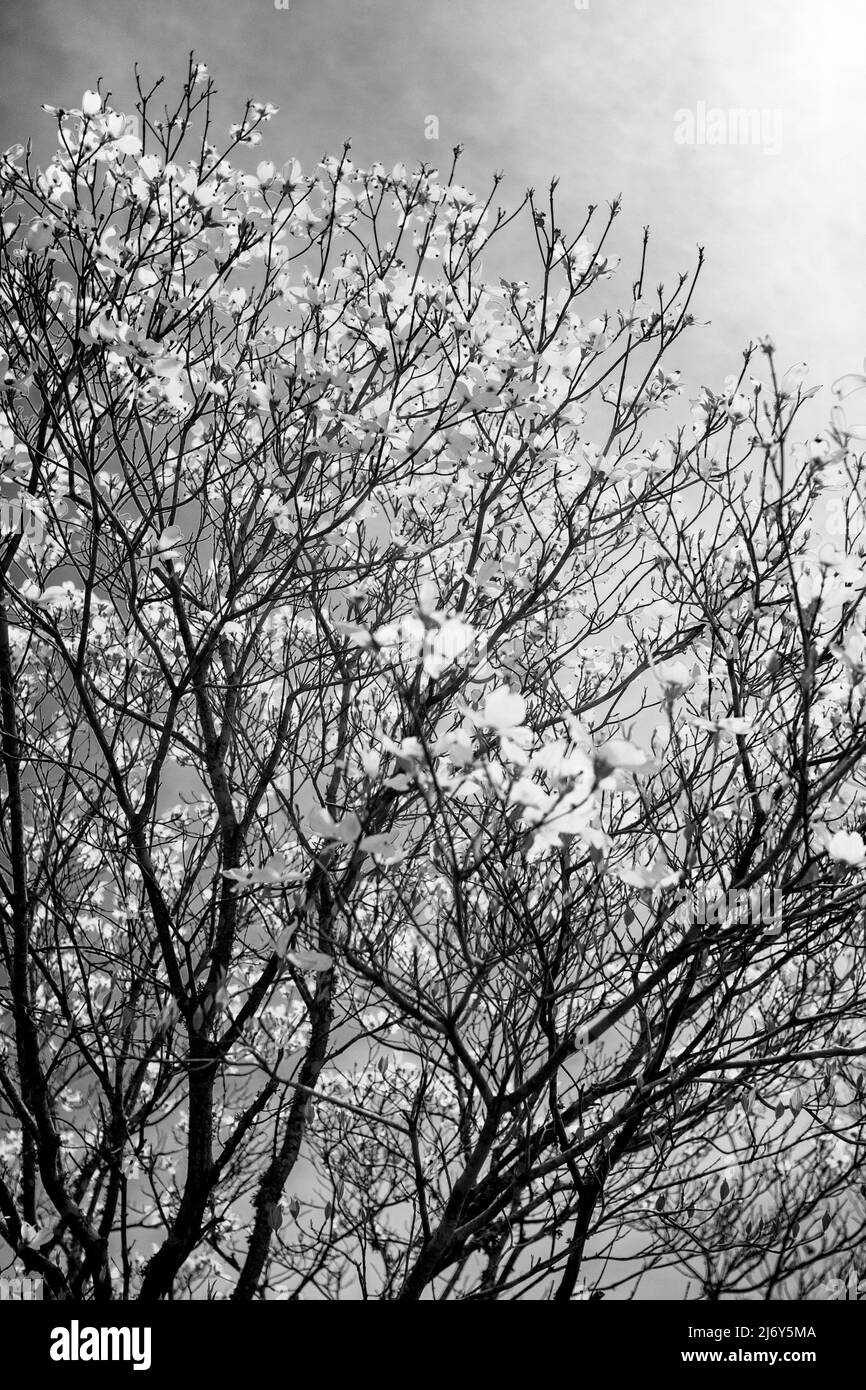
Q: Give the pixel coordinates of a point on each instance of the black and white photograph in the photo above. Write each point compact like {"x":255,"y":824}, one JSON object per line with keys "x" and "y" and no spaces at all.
{"x":432,"y":676}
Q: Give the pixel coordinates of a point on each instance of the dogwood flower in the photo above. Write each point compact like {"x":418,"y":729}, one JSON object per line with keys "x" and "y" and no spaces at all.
{"x":674,"y":674}
{"x":847,"y":847}
{"x":503,"y":711}
{"x":733,"y":725}
{"x":273,"y":874}
{"x":619,"y":753}
{"x":33,"y":1237}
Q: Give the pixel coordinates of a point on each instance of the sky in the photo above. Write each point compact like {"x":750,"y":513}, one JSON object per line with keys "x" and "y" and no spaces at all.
{"x":590,"y":91}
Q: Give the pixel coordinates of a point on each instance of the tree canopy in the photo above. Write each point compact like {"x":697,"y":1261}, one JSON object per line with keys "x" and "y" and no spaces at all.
{"x":432,"y":748}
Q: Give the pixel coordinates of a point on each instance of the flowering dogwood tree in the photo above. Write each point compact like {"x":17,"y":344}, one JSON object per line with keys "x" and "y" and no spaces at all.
{"x":409,"y":712}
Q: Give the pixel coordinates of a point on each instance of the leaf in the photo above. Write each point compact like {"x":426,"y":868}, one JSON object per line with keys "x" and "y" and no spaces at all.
{"x":271,"y":874}
{"x":399,"y":783}
{"x":724,"y":1190}
{"x":659,"y":874}
{"x":322,"y":823}
{"x":309,"y":960}
{"x":377,"y":844}
{"x":284,"y":941}
{"x":169,"y":1016}
{"x":349,"y":828}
